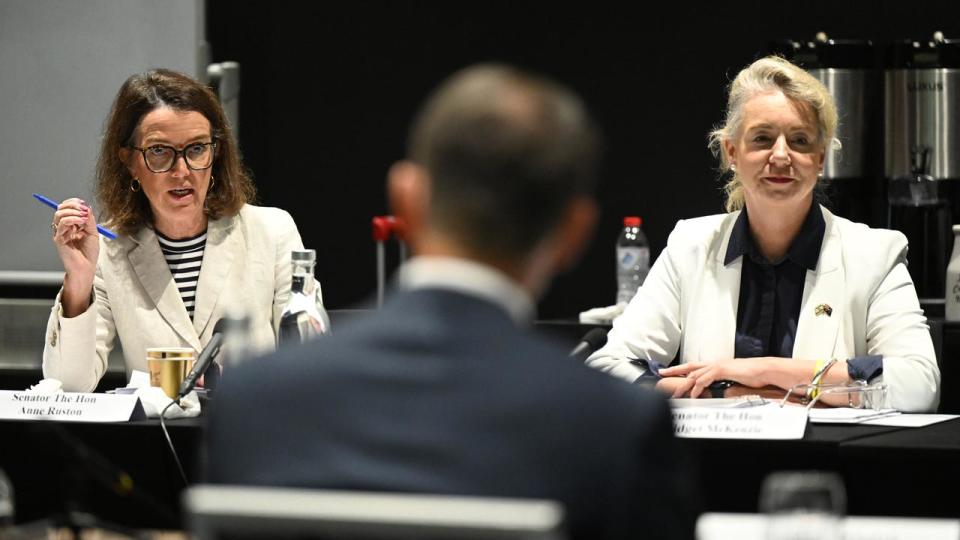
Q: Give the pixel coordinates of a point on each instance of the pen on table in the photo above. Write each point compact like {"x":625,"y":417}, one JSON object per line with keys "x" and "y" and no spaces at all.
{"x":54,"y":204}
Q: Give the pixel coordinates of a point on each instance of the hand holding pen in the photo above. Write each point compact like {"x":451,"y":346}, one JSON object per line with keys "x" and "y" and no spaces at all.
{"x":107,"y":233}
{"x":78,"y":245}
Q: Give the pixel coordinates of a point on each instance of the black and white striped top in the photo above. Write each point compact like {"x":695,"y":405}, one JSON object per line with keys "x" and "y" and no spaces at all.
{"x":184,"y":258}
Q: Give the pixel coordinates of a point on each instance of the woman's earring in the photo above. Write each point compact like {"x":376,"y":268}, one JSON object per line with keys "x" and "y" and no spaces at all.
{"x":135,"y":185}
{"x":211,"y":182}
{"x":733,"y":167}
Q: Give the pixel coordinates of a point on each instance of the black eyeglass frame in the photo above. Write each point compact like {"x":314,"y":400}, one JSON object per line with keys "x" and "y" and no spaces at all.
{"x":176,"y":155}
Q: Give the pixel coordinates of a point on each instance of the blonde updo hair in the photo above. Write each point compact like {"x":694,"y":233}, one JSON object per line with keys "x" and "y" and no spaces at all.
{"x":765,"y":75}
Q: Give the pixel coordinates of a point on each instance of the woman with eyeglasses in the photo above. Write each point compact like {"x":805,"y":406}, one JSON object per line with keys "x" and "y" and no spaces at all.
{"x":191,"y":247}
{"x":778,"y":292}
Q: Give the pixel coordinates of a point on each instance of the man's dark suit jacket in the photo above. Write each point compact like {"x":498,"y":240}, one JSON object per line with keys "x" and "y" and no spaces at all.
{"x":440,"y":392}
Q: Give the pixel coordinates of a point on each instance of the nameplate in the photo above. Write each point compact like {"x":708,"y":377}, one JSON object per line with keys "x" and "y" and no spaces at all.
{"x":767,"y":422}
{"x":70,"y":407}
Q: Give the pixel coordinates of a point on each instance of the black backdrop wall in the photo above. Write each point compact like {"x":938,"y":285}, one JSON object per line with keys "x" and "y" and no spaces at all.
{"x":328,"y":92}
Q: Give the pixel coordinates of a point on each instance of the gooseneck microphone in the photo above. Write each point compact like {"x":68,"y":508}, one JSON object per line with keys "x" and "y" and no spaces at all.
{"x":591,"y":341}
{"x":207,"y":356}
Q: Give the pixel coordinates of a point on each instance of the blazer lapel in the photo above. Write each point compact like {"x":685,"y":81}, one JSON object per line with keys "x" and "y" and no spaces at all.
{"x":151,"y":269}
{"x":719,"y":300}
{"x":218,"y":258}
{"x":821,"y":309}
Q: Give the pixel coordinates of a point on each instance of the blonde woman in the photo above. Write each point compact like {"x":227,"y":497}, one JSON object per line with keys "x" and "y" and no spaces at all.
{"x":778,"y":291}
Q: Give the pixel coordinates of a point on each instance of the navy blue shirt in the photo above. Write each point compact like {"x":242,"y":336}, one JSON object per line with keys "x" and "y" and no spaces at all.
{"x":771,"y":293}
{"x":770,"y":296}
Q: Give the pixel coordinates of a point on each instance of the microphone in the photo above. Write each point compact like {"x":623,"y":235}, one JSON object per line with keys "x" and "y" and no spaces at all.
{"x":591,"y":341}
{"x":205,"y":359}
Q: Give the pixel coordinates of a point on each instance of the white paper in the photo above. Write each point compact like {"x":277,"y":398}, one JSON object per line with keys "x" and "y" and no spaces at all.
{"x":847,"y":415}
{"x":910,"y":420}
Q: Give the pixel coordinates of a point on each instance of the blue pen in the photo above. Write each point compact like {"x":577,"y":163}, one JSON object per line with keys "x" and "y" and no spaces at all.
{"x":54,"y":204}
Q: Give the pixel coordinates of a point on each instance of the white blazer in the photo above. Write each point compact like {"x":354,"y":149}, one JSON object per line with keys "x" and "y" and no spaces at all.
{"x":689,"y":303}
{"x":246,"y":265}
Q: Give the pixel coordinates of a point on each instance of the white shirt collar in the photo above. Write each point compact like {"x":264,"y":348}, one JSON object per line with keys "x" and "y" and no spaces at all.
{"x":470,"y":278}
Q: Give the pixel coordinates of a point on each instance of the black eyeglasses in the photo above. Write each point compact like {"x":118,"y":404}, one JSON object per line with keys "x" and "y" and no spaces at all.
{"x":161,"y":158}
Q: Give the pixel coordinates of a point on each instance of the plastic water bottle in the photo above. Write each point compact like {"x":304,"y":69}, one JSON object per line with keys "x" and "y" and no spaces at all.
{"x":633,"y":259}
{"x":237,"y":345}
{"x":952,"y":309}
{"x":302,"y":318}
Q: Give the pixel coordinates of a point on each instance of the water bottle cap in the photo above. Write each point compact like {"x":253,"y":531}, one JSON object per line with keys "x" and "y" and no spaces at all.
{"x":305,"y":255}
{"x":632,"y":221}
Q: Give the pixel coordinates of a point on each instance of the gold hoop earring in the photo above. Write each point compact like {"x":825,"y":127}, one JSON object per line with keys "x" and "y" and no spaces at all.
{"x":135,"y":185}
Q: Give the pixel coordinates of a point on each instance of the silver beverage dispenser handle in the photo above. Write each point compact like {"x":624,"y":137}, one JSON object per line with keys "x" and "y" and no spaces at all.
{"x":224,"y":78}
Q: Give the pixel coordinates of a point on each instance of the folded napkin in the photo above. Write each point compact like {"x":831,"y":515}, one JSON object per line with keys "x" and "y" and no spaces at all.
{"x":154,"y":401}
{"x":46,"y":387}
{"x":602,"y":315}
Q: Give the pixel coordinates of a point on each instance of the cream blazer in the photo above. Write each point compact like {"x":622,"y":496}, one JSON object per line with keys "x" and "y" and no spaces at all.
{"x":688,"y":303}
{"x":246,"y":266}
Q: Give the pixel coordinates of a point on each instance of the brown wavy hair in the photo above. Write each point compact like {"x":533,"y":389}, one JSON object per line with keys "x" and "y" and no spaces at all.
{"x":128,"y":211}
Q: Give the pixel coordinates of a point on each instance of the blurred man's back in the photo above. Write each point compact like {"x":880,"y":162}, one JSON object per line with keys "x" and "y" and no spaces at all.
{"x":445,"y":390}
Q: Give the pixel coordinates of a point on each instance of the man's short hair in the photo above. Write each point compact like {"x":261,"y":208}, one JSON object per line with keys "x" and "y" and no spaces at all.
{"x":506,"y":151}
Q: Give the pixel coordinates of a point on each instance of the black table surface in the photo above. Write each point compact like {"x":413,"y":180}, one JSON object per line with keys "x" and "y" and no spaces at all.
{"x":933,"y":439}
{"x":62,"y":466}
{"x":883,"y":468}
{"x":122,"y":472}
{"x":911,"y":471}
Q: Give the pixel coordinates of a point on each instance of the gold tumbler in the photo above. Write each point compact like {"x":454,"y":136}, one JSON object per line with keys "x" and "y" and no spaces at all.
{"x":169,"y":367}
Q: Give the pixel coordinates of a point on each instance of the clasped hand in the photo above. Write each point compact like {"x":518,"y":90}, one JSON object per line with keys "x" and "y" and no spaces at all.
{"x":693,"y":378}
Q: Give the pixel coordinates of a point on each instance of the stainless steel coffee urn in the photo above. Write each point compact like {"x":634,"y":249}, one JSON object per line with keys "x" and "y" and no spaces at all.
{"x":922,"y":153}
{"x":848,"y":68}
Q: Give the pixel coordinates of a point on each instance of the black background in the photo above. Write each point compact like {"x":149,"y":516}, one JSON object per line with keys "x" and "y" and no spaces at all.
{"x":328,"y":91}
